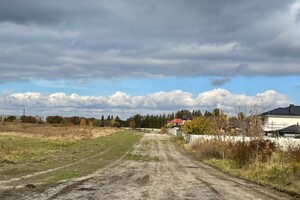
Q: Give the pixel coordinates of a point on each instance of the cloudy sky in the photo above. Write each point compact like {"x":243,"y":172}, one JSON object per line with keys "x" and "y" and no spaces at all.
{"x":88,"y":58}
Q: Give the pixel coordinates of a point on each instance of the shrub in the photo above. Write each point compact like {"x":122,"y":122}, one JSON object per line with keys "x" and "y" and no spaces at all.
{"x":256,"y":150}
{"x":241,"y":152}
{"x":206,"y":149}
{"x":263,"y":149}
{"x":293,"y":154}
{"x":163,"y":130}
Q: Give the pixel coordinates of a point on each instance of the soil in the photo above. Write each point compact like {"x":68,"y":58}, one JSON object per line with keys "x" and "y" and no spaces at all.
{"x":172,"y":175}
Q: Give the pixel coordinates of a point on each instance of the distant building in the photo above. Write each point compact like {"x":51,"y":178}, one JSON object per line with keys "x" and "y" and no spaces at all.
{"x":40,"y":119}
{"x":281,"y":118}
{"x":176,"y":122}
{"x":2,"y":117}
{"x":290,"y":131}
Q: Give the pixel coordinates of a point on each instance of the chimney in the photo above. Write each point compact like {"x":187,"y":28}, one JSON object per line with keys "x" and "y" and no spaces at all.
{"x":291,"y":109}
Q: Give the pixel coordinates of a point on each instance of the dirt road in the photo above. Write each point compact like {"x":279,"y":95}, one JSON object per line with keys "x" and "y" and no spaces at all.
{"x":158,"y":169}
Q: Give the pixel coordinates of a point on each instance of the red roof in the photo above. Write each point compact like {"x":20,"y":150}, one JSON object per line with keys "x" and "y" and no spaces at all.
{"x":176,"y":121}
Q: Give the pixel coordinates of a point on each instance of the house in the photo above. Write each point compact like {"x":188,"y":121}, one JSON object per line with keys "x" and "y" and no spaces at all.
{"x":176,"y":122}
{"x":280,"y":118}
{"x":40,"y":119}
{"x":290,"y":131}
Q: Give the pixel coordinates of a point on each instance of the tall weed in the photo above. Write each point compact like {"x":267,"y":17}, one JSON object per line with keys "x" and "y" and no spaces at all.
{"x":206,"y":149}
{"x":293,"y":154}
{"x":256,"y":150}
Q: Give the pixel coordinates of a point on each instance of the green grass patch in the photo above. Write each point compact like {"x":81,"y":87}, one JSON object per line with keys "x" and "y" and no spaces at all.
{"x":29,"y":155}
{"x":62,"y":176}
{"x":20,"y":149}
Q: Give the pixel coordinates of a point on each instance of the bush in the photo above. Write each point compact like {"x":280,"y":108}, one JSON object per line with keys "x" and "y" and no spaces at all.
{"x":163,"y":130}
{"x":293,"y":154}
{"x":256,"y":150}
{"x":206,"y":149}
{"x":241,"y":152}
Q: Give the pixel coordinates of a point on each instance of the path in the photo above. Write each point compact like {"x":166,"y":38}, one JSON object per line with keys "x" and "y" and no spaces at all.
{"x":159,"y":170}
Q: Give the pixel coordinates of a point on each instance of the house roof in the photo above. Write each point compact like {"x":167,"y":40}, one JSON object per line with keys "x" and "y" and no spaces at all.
{"x":293,"y":128}
{"x":176,"y":121}
{"x":291,"y":110}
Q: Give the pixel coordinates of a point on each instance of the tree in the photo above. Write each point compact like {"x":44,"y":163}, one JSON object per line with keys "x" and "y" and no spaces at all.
{"x":132,"y":124}
{"x":28,"y":119}
{"x":197,"y":113}
{"x":73,"y":120}
{"x":115,"y":123}
{"x":220,"y":119}
{"x":208,"y":114}
{"x":200,"y":126}
{"x":83,"y":122}
{"x":117,"y":118}
{"x":55,"y":119}
{"x":10,"y":119}
{"x":216,"y":112}
{"x":184,"y":114}
{"x":241,"y":117}
{"x":91,"y":125}
{"x":102,"y":121}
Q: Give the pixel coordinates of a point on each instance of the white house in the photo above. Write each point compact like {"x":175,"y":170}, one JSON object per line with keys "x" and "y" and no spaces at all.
{"x":280,"y":118}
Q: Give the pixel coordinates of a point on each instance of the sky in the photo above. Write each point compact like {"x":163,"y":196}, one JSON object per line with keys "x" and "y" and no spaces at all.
{"x":114,"y":57}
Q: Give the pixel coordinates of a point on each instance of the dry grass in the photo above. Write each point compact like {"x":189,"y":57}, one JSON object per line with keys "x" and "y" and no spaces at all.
{"x":241,"y":152}
{"x":293,"y":154}
{"x":55,"y":132}
{"x":207,"y":149}
{"x":258,"y":160}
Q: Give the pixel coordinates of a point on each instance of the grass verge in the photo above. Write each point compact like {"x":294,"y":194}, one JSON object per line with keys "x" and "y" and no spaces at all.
{"x":257,"y":161}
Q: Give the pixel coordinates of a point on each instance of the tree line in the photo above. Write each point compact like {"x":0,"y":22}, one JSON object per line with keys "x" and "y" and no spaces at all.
{"x":197,"y":122}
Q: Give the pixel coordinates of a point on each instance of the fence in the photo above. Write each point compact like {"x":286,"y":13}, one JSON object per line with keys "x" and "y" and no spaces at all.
{"x":283,"y":143}
{"x":175,"y":131}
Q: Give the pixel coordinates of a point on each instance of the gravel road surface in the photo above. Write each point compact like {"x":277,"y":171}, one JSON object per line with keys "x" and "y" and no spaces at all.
{"x":158,"y":169}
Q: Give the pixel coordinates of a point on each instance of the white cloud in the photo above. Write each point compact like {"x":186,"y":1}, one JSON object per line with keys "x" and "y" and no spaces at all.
{"x":125,"y":105}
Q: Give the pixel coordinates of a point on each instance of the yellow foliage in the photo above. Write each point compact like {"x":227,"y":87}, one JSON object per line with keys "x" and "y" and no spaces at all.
{"x":200,"y":126}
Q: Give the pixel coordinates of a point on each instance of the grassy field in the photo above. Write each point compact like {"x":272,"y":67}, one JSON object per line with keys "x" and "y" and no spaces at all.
{"x":37,"y":162}
{"x":54,"y":131}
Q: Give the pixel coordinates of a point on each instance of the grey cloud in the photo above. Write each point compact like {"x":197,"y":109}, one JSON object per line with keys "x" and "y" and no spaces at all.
{"x":220,"y":81}
{"x":241,"y":69}
{"x":73,"y":39}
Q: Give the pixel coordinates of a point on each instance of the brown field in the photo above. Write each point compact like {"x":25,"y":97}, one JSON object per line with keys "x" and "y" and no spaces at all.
{"x":55,"y":132}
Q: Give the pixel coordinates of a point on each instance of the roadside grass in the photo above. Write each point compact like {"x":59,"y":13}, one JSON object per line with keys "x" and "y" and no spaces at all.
{"x":62,"y":159}
{"x":282,"y":176}
{"x":265,"y":164}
